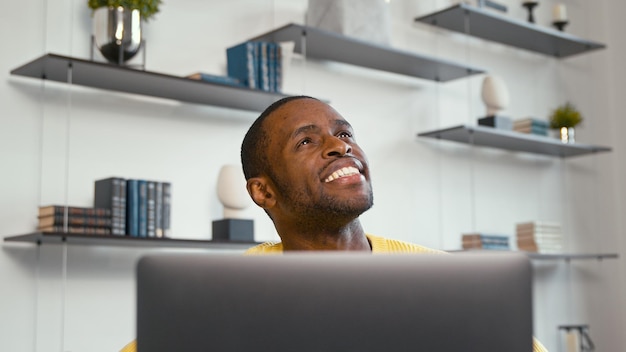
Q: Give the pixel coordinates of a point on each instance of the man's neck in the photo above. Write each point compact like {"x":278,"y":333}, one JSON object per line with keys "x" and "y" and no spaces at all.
{"x":349,"y":238}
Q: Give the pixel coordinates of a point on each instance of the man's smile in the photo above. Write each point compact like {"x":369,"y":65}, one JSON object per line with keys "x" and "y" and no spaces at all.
{"x":343,"y":172}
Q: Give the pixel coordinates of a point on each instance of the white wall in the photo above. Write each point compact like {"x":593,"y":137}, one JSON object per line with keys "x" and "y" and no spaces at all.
{"x":427,"y":192}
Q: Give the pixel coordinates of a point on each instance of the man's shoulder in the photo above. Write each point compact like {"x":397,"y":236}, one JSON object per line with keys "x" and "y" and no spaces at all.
{"x":387,"y":245}
{"x":265,"y":248}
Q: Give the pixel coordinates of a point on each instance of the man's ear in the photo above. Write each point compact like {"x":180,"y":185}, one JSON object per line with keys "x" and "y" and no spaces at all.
{"x":261,"y":192}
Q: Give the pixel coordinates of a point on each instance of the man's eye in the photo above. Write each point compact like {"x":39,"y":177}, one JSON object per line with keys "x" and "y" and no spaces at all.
{"x":344,"y":135}
{"x":304,"y":142}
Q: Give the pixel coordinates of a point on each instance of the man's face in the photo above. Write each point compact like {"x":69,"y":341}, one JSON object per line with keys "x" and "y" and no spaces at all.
{"x":317,"y":166}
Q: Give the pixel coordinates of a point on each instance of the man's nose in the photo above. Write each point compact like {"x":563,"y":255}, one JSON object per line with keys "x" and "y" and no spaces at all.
{"x":335,"y":146}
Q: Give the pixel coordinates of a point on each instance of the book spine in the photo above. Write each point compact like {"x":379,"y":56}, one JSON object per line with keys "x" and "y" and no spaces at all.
{"x":252,"y":62}
{"x":158,"y":201}
{"x":271,"y":65}
{"x":264,"y":80}
{"x":151,"y":219}
{"x":132,"y":208}
{"x":110,"y":193}
{"x":121,"y":197}
{"x":143,"y":208}
{"x":167,"y":205}
{"x":279,"y":68}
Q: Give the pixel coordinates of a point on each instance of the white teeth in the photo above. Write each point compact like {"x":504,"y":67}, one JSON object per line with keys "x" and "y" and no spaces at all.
{"x":346,"y":171}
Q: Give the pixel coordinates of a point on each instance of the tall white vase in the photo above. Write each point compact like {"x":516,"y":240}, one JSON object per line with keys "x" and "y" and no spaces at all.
{"x":495,"y":94}
{"x":231,"y":191}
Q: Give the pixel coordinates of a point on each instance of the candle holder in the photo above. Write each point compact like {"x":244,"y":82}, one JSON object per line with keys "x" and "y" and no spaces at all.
{"x":530,"y":5}
{"x":560,"y":25}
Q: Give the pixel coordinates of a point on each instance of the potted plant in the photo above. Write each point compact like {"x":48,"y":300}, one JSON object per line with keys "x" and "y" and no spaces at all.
{"x":564,"y":118}
{"x":117,"y":26}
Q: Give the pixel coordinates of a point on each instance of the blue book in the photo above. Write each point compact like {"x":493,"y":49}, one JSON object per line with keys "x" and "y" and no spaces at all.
{"x":271,"y":65}
{"x":132,"y":208}
{"x":278,"y":70}
{"x":242,"y":63}
{"x":263,"y":64}
{"x":143,"y":208}
{"x":275,"y":66}
{"x":207,"y":77}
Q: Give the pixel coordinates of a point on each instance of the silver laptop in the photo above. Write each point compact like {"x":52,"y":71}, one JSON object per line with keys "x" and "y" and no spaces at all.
{"x":312,"y":302}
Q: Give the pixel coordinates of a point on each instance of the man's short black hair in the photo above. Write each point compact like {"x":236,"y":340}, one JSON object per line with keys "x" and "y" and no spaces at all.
{"x":254,"y":157}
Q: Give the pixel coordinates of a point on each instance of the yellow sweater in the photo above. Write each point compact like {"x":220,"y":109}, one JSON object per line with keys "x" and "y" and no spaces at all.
{"x":379,"y":245}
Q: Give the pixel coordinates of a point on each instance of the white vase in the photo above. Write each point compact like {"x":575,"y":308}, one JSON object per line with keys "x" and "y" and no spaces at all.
{"x":495,"y":94}
{"x":231,"y":191}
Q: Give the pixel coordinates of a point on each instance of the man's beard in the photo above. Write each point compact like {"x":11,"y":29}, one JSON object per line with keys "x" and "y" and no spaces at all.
{"x":324,"y":209}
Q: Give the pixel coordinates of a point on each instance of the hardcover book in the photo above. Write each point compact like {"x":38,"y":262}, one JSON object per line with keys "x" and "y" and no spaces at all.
{"x":539,"y":236}
{"x":110,"y":193}
{"x":167,"y":207}
{"x":485,"y":241}
{"x":55,"y":210}
{"x":75,"y":220}
{"x":242,"y":63}
{"x":143,"y":208}
{"x":158,"y":201}
{"x":77,"y":230}
{"x":132,"y":208}
{"x":263,"y":66}
{"x":151,"y":219}
{"x":224,"y":80}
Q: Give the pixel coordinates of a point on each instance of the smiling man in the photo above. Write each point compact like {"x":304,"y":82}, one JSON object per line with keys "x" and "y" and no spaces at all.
{"x":304,"y":168}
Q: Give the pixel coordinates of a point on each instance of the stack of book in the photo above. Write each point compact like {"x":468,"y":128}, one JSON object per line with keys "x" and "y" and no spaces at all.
{"x":256,"y":64}
{"x":531,"y":125}
{"x":485,"y":241}
{"x":539,"y":236}
{"x":139,"y":208}
{"x":70,"y":219}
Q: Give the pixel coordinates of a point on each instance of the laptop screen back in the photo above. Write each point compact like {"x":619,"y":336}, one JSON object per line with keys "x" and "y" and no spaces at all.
{"x":334,"y":302}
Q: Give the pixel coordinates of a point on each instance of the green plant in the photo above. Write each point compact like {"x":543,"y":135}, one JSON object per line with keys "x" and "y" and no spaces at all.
{"x":565,"y":116}
{"x":147,"y":8}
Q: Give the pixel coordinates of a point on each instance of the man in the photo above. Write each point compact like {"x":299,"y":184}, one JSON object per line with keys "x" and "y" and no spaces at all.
{"x":304,"y":168}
